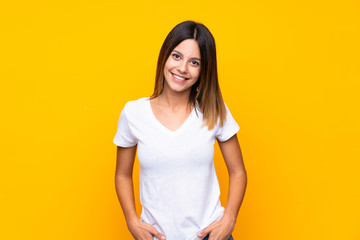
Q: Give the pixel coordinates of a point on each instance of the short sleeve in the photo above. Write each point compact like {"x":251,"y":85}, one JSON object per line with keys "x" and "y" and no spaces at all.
{"x":124,"y":136}
{"x":229,"y":128}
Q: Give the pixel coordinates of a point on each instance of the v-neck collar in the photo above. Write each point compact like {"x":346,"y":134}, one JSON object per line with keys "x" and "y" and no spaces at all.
{"x":161,"y":126}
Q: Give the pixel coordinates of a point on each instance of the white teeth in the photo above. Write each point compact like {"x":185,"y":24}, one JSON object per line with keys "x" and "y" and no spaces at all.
{"x":178,"y":77}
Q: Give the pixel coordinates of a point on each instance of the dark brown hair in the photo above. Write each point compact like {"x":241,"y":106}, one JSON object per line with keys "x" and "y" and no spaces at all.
{"x":205,"y":94}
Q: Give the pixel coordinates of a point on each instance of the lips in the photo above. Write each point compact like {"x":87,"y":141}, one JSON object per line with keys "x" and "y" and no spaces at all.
{"x":181,"y":78}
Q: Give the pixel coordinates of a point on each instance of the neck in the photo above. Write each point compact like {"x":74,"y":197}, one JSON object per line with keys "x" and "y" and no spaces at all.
{"x":174,"y":100}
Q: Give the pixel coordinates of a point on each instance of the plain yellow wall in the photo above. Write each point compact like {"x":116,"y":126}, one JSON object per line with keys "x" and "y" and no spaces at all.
{"x":288,"y":70}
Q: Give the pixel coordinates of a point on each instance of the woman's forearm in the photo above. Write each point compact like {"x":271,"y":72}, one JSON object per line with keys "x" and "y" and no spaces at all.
{"x":237,"y":187}
{"x":125,"y":193}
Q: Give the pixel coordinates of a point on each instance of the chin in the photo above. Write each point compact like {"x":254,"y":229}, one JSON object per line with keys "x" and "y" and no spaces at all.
{"x":178,"y":89}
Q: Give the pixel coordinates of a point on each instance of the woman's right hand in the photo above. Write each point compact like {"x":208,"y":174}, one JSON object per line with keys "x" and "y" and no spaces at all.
{"x":143,"y":231}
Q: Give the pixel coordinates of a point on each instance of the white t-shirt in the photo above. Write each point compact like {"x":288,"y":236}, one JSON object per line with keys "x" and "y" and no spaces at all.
{"x":179,"y":189}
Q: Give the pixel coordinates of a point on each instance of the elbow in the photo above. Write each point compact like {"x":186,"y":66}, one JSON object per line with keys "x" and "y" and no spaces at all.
{"x":238,"y":174}
{"x":120,"y":178}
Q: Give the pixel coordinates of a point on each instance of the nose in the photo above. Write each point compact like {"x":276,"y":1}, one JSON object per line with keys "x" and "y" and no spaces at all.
{"x":183,"y":67}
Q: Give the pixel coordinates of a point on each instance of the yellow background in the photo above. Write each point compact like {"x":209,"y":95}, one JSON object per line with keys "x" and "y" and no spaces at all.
{"x":289,"y":72}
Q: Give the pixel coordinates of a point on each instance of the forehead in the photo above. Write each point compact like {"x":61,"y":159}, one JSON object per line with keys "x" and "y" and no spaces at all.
{"x":188,"y":47}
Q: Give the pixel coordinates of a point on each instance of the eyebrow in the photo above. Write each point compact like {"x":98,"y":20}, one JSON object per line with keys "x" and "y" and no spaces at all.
{"x":182,"y":55}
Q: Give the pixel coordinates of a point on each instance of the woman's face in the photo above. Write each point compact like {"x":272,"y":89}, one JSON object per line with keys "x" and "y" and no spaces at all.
{"x":182,"y":68}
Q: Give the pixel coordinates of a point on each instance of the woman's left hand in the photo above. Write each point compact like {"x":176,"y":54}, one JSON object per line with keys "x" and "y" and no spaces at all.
{"x":219,"y":230}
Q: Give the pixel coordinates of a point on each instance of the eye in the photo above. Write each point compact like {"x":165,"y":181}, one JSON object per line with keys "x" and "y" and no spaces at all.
{"x":195,"y":63}
{"x":176,"y":56}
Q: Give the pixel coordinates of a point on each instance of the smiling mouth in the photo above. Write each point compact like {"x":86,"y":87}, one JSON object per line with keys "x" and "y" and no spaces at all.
{"x":180,"y":78}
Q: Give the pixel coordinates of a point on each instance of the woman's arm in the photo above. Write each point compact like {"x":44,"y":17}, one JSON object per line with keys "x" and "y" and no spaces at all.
{"x":231,"y":152}
{"x":124,"y":182}
{"x":237,"y":175}
{"x":125,"y":192}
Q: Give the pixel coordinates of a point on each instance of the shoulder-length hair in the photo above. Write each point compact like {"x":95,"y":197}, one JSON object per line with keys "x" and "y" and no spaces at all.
{"x":205,"y":94}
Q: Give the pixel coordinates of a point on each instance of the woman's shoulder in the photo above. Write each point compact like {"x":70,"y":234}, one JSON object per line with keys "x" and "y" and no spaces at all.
{"x":137,"y":102}
{"x":136,"y":106}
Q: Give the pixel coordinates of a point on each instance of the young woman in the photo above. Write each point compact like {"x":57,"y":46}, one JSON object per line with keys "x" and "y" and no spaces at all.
{"x":174,"y":132}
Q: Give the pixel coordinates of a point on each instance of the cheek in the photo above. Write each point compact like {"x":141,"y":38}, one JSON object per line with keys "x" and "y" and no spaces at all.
{"x":169,"y":64}
{"x":166,"y":66}
{"x":196,"y":73}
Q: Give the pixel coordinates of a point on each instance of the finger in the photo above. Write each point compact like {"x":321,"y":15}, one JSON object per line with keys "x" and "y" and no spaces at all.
{"x":205,"y":232}
{"x":147,"y":236}
{"x":156,"y":233}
